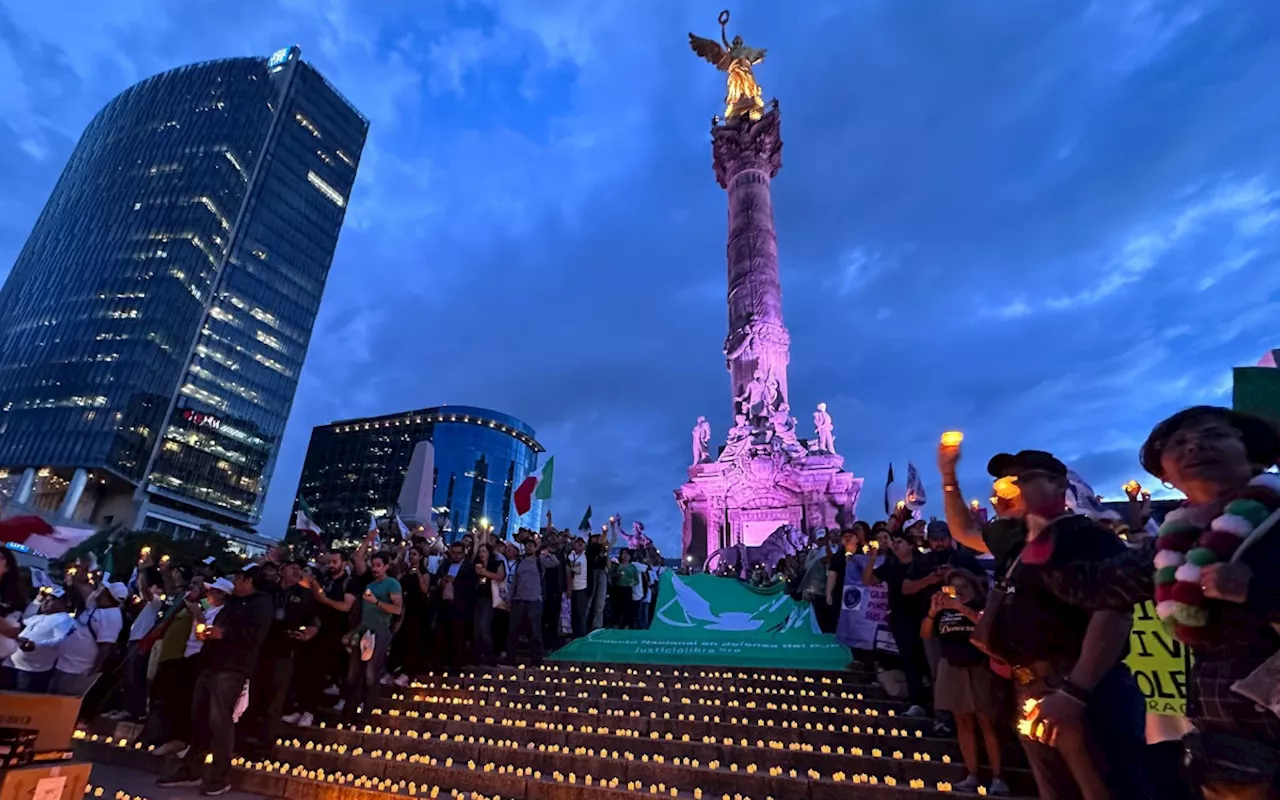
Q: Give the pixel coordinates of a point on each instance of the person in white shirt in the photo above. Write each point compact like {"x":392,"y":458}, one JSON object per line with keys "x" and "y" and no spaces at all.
{"x":640,"y":596}
{"x":150,"y":599}
{"x":39,"y":642}
{"x":87,"y":649}
{"x":579,"y":596}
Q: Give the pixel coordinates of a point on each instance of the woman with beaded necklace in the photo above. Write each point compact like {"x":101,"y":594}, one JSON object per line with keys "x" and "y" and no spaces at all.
{"x":1212,"y":571}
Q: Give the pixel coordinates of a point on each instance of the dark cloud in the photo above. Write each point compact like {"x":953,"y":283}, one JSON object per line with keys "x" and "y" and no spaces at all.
{"x":1046,"y":224}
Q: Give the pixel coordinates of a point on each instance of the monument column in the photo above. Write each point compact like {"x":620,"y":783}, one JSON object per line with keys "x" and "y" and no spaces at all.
{"x":747,"y":154}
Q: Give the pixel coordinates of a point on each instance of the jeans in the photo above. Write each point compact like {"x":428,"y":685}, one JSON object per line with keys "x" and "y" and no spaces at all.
{"x":482,"y":637}
{"x":364,"y":677}
{"x":212,"y":723}
{"x":134,"y":676}
{"x":171,"y":691}
{"x":64,"y":683}
{"x":33,"y":682}
{"x":580,"y":603}
{"x":1104,"y":758}
{"x":911,"y":655}
{"x":268,"y":690}
{"x":325,"y":663}
{"x":526,"y":620}
{"x":642,"y":614}
{"x":599,"y":592}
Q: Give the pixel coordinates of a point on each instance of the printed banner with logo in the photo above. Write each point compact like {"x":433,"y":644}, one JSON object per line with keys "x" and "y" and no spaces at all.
{"x":864,"y":610}
{"x":710,"y":621}
{"x":1159,"y":663}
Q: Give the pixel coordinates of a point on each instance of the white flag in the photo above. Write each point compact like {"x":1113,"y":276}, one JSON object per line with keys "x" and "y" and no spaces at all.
{"x":373,"y":528}
{"x":1083,"y":500}
{"x":915,"y":488}
{"x":404,"y":529}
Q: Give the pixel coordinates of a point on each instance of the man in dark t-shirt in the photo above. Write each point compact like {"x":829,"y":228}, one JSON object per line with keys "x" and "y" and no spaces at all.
{"x":1069,"y":659}
{"x":905,"y":615}
{"x":597,"y":579}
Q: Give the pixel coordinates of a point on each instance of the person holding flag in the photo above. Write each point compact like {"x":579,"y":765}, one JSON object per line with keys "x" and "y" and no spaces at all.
{"x":304,"y":522}
{"x":535,"y":486}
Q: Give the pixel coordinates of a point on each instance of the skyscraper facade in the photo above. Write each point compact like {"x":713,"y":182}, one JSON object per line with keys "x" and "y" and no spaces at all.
{"x":356,"y":467}
{"x":154,"y":326}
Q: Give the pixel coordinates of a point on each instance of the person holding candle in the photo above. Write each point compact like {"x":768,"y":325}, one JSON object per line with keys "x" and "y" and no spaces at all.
{"x":965,"y":684}
{"x":1063,"y":654}
{"x":1210,"y":570}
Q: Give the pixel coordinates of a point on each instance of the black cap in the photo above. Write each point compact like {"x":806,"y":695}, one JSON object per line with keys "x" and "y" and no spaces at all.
{"x":939,"y":530}
{"x":1005,"y":465}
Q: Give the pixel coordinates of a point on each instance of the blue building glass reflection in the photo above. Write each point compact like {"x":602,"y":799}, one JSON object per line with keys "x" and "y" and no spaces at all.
{"x":356,"y":467}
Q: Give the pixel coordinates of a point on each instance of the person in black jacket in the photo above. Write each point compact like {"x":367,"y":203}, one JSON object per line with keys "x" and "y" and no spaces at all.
{"x":456,"y":580}
{"x":295,"y":620}
{"x":231,"y":646}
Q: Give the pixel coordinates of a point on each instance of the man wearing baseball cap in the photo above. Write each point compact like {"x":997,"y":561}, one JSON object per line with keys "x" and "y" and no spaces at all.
{"x":231,"y":645}
{"x":1087,"y":729}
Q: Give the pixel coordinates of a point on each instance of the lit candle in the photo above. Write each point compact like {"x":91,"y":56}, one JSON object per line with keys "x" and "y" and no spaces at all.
{"x":952,"y":439}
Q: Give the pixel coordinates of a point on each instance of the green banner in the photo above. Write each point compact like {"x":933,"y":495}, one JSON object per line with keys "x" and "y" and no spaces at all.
{"x":709,"y":621}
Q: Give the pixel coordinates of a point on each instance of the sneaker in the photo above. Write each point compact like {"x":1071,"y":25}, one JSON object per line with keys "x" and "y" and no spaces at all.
{"x":169,"y":748}
{"x":180,"y":778}
{"x":998,"y":788}
{"x":386,"y":679}
{"x":292,"y":719}
{"x":305,"y":720}
{"x":183,"y":752}
{"x":969,"y":785}
{"x":942,"y":730}
{"x":333,"y":691}
{"x":916,"y":712}
{"x":340,"y":706}
{"x":215,"y":789}
{"x":402,"y":681}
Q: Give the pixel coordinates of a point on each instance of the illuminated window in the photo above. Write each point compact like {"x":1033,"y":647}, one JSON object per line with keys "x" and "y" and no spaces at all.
{"x":308,"y":124}
{"x":326,"y":190}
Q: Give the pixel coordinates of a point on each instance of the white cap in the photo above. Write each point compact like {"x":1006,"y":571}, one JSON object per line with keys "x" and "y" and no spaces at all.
{"x":118,"y":590}
{"x":223,"y":585}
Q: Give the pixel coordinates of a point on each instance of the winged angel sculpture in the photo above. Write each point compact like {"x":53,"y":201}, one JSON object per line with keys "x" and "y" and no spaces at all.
{"x":736,"y":59}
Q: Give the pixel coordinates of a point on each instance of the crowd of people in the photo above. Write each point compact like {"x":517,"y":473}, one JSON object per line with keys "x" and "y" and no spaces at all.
{"x":1018,"y":625}
{"x":208,"y":662}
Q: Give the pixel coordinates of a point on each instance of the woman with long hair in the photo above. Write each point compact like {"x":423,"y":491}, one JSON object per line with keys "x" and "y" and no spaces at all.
{"x":490,"y":571}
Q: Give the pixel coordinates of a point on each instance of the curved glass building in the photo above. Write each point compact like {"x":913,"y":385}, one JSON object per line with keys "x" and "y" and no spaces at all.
{"x":356,"y":467}
{"x":153,"y":327}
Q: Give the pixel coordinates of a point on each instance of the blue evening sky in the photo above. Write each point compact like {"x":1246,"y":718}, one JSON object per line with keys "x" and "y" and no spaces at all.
{"x":1045,"y":223}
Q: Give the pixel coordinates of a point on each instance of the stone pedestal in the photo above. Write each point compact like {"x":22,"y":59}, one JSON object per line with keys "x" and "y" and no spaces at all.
{"x":743,"y":499}
{"x":764,"y":477}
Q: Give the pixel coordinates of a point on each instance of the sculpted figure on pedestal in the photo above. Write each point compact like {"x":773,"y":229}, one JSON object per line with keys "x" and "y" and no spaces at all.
{"x":701,"y":440}
{"x":823,"y":425}
{"x":773,"y":395}
{"x":743,"y":96}
{"x":753,"y":397}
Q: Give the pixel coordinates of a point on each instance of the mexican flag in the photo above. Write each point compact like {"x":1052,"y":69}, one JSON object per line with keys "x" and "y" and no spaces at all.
{"x":538,"y":486}
{"x":305,"y":525}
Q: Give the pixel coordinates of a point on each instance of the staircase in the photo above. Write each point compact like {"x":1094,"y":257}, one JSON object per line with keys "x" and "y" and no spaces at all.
{"x":567,"y":731}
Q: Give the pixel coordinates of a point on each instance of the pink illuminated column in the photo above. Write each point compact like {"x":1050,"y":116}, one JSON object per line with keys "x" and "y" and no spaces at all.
{"x":747,"y":154}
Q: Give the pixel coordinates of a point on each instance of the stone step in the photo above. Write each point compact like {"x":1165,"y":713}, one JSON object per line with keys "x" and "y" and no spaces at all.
{"x":315,"y":775}
{"x":675,"y":691}
{"x":709,"y":677}
{"x":801,"y":716}
{"x":872,"y":733}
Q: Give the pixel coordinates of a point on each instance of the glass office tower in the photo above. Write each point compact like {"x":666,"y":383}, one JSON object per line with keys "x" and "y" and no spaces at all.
{"x":153,"y":327}
{"x":356,"y":467}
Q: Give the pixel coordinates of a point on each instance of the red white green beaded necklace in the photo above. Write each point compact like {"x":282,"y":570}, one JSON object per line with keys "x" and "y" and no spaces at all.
{"x":1184,"y":548}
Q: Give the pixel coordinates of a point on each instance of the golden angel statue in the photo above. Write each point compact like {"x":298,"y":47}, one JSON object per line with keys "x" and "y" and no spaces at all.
{"x":736,"y":59}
